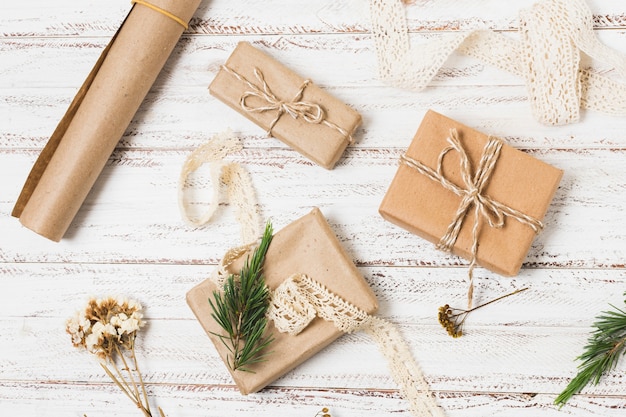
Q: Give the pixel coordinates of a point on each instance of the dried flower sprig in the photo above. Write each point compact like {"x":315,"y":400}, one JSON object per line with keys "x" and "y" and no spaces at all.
{"x":605,"y":346}
{"x":107,"y":328}
{"x":323,"y":413}
{"x":240,"y":310}
{"x":452,"y":319}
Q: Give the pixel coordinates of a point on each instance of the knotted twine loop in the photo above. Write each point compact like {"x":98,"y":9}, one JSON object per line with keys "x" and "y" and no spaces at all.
{"x":231,"y":175}
{"x":164,"y":12}
{"x":472,"y":195}
{"x":553,"y":34}
{"x":297,"y":108}
{"x":299,"y":299}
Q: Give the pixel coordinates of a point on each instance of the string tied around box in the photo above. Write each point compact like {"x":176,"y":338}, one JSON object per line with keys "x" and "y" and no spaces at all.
{"x":297,"y":108}
{"x":472,"y":195}
{"x":164,"y":12}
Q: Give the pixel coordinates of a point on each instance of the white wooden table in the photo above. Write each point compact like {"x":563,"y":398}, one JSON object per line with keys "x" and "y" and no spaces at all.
{"x":128,"y":237}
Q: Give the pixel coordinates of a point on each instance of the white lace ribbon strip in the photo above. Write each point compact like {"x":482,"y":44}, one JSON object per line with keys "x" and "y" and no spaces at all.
{"x":553,"y":35}
{"x":232,"y":175}
{"x":299,"y":299}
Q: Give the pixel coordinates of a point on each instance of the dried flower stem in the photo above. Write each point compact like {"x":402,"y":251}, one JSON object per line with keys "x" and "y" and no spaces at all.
{"x":452,"y":319}
{"x":107,"y":328}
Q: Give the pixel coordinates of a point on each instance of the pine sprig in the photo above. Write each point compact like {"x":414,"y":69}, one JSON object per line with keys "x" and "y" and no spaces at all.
{"x":240,"y":310}
{"x":605,"y":346}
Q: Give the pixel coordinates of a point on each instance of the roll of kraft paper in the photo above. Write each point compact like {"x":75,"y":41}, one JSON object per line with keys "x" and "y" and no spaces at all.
{"x":100,"y":113}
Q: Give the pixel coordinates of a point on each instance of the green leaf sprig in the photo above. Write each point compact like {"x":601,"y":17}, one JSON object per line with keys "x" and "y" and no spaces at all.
{"x":240,"y":310}
{"x":605,"y":346}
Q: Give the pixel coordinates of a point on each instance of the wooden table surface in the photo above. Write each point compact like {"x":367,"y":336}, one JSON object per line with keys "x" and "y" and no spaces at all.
{"x":128,"y":238}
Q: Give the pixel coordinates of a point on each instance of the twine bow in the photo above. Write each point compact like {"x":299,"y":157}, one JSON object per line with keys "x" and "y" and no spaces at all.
{"x":485,"y":207}
{"x":297,"y":108}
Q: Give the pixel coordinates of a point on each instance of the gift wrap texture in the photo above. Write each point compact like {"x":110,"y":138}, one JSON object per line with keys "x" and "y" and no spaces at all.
{"x":274,"y":94}
{"x":425,"y":208}
{"x":98,"y":116}
{"x":307,"y":246}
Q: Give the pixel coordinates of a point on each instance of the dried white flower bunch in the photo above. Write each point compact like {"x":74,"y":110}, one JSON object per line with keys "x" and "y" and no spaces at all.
{"x":105,"y":325}
{"x":107,"y":328}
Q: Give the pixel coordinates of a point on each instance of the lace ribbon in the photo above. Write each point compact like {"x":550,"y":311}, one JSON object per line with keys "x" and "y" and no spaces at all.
{"x":296,"y":108}
{"x":299,"y":299}
{"x":485,"y":208}
{"x":232,"y":175}
{"x":553,"y":35}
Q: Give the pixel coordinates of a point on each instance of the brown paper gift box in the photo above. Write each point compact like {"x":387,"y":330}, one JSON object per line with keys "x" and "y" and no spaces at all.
{"x":425,"y":208}
{"x":308,"y":246}
{"x":84,"y":139}
{"x":321,"y":143}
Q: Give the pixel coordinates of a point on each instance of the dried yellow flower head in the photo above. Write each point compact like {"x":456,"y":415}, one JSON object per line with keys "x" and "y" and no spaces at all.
{"x":323,"y":413}
{"x":452,"y":319}
{"x":106,"y":325}
{"x":448,"y":321}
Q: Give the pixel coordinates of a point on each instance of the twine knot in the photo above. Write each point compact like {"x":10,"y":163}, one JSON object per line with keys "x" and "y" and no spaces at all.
{"x":297,"y":108}
{"x":472,"y":195}
{"x":310,"y":112}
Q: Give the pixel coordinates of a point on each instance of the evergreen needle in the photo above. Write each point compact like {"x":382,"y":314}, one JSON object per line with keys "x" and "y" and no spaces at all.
{"x":240,"y":310}
{"x":605,"y":346}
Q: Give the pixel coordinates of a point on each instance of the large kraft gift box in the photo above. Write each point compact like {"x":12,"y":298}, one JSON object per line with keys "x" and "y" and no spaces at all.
{"x":307,"y":246}
{"x":323,"y":141}
{"x":424,"y":207}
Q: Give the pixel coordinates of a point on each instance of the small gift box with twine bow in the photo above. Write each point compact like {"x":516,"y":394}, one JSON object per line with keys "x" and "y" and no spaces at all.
{"x":470,"y":194}
{"x":287,"y":106}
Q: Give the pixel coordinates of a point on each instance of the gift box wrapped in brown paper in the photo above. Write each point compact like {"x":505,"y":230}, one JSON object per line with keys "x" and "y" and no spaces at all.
{"x":307,"y":246}
{"x":80,"y":146}
{"x":424,"y":207}
{"x":287,"y":106}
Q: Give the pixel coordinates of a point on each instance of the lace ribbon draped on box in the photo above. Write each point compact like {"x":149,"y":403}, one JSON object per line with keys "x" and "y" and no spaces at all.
{"x":300,"y":299}
{"x":553,"y":34}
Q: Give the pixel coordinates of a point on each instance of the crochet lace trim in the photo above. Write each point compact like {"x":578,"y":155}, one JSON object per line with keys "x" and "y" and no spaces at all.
{"x":553,"y":34}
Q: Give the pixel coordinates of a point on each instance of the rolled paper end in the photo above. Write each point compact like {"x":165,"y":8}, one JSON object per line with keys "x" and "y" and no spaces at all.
{"x":82,"y":143}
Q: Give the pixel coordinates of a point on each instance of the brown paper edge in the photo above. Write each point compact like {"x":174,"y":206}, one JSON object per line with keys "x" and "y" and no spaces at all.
{"x":53,"y":143}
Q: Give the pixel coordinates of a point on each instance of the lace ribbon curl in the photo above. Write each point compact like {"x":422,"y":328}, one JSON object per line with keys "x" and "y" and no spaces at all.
{"x":553,"y":34}
{"x":231,"y":175}
{"x":310,"y":112}
{"x":485,"y":207}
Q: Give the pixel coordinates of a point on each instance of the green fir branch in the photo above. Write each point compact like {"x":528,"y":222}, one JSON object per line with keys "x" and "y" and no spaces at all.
{"x":605,"y":346}
{"x":240,"y":310}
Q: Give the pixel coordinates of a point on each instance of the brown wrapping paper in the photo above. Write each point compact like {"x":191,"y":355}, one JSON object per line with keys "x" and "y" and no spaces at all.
{"x":423,"y":207}
{"x":98,"y":116}
{"x":321,"y":143}
{"x":306,"y":246}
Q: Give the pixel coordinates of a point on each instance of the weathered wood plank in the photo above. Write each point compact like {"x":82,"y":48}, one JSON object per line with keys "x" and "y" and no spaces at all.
{"x":118,"y":213}
{"x":490,"y":359}
{"x":329,"y":60}
{"x":93,"y":18}
{"x":507,"y":348}
{"x":77,"y":399}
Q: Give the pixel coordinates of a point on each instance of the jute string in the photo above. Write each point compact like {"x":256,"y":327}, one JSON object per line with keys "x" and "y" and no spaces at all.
{"x":296,"y":108}
{"x":231,"y":175}
{"x":472,"y":195}
{"x":163,"y":12}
